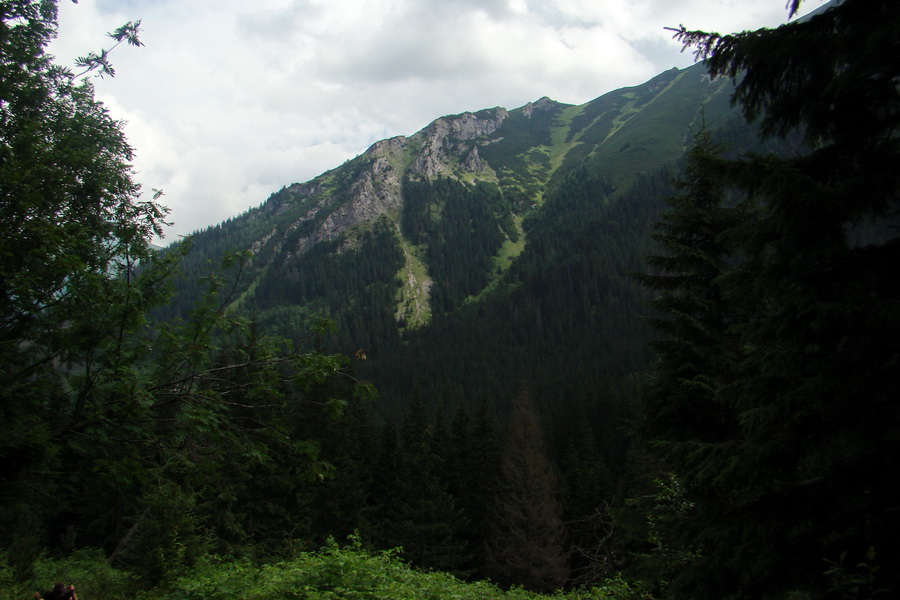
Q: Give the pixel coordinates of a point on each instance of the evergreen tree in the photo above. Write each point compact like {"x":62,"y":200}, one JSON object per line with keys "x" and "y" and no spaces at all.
{"x":421,"y":518}
{"x":75,"y":230}
{"x":470,"y":470}
{"x":120,"y":433}
{"x":526,"y":542}
{"x":378,"y":515}
{"x":698,"y":351}
{"x":798,"y":472}
{"x":685,"y":419}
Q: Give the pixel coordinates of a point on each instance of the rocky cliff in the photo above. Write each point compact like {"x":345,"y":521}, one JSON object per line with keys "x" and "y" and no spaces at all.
{"x":519,"y":151}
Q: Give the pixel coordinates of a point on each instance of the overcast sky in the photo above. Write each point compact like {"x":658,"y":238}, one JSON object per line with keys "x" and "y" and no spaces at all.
{"x":230,"y":100}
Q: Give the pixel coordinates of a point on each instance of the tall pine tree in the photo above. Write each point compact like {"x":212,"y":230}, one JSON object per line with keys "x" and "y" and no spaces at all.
{"x":686,"y":421}
{"x":697,"y":353}
{"x":802,"y":470}
{"x":526,"y":537}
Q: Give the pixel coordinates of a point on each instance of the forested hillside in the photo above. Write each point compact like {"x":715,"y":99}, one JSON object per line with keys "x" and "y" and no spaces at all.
{"x":508,"y":219}
{"x":650,"y":338}
{"x":494,"y":261}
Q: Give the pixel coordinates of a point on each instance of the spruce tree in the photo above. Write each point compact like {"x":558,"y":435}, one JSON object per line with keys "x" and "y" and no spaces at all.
{"x":683,"y":417}
{"x":801,"y":472}
{"x":526,"y":542}
{"x":470,"y":471}
{"x":423,"y":519}
{"x":696,"y":352}
{"x":380,"y":514}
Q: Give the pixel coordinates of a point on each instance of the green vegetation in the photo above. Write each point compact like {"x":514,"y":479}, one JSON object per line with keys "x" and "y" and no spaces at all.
{"x":640,"y":130}
{"x":414,"y":309}
{"x":560,"y":145}
{"x":155,"y":441}
{"x":675,"y":369}
{"x":520,"y":151}
{"x":331,"y":573}
{"x":774,"y":399}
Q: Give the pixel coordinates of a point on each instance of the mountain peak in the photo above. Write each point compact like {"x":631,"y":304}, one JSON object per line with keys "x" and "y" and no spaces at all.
{"x":445,"y":140}
{"x":544,"y":103}
{"x":497,"y":162}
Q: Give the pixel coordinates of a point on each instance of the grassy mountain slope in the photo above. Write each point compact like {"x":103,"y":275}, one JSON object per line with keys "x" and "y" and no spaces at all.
{"x":494,"y":238}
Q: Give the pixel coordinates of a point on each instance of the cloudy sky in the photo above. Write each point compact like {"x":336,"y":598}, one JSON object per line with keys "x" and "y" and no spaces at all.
{"x":230,"y":100}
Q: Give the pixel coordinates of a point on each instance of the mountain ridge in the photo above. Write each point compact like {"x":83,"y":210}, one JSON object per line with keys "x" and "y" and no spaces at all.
{"x":520,"y":151}
{"x":506,"y":158}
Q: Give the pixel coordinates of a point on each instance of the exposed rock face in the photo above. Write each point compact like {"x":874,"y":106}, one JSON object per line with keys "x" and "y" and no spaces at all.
{"x":541,"y":104}
{"x":336,"y":202}
{"x":446,"y":138}
{"x":374,"y":193}
{"x":375,"y":189}
{"x":296,"y":191}
{"x":260,"y":243}
{"x":472,"y":162}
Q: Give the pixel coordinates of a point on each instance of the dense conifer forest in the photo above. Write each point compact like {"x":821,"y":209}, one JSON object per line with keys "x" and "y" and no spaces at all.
{"x":649,"y":351}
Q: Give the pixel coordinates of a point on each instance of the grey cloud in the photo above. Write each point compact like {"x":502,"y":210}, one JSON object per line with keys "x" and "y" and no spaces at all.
{"x":405,"y":48}
{"x":124,"y":6}
{"x":233,"y":99}
{"x":278,"y":23}
{"x":397,"y":58}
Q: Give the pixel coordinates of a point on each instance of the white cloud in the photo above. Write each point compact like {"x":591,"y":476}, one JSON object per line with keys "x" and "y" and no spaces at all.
{"x":229,"y":101}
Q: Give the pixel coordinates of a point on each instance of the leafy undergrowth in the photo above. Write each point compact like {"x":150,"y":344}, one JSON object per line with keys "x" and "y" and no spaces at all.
{"x":348,"y":573}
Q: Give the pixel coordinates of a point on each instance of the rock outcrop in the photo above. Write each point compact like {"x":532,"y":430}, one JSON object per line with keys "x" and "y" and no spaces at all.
{"x":448,"y":138}
{"x":375,"y":188}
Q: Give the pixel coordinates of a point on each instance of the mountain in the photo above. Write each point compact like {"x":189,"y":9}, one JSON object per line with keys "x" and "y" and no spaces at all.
{"x":488,"y":252}
{"x":483,"y":260}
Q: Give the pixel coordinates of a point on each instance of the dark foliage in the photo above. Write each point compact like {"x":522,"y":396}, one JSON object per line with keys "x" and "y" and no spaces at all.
{"x":526,"y":540}
{"x":783,"y":447}
{"x":461,"y":227}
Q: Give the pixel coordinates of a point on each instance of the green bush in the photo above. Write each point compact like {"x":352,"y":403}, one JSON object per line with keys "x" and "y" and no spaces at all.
{"x":350,"y":573}
{"x":87,"y":569}
{"x":333,"y":573}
